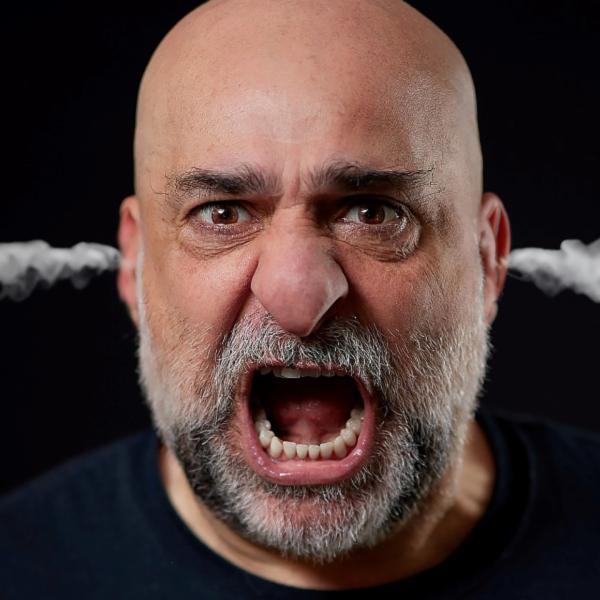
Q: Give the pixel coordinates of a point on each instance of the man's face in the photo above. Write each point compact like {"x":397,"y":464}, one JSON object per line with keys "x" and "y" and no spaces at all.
{"x":321,"y":227}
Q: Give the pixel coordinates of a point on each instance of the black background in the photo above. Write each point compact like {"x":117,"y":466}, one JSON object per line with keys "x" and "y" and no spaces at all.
{"x":70,"y":75}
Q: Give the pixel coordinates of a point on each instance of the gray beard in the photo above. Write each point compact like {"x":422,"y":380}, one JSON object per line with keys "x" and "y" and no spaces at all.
{"x":425,"y":385}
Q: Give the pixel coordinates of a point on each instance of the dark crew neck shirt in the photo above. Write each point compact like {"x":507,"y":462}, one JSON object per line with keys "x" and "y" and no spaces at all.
{"x":102,"y":526}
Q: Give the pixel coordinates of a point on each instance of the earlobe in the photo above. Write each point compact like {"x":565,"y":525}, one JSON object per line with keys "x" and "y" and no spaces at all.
{"x":129,"y":244}
{"x":494,"y":248}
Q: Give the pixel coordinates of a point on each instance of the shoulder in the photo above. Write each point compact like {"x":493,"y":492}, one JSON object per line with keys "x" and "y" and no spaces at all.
{"x":97,"y":471}
{"x":565,"y":472}
{"x":60,"y":519}
{"x":562,"y":445}
{"x":558,"y":455}
{"x":559,"y":467}
{"x":554,"y":493}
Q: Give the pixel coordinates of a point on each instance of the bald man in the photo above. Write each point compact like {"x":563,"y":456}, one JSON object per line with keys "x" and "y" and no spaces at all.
{"x":312,"y":268}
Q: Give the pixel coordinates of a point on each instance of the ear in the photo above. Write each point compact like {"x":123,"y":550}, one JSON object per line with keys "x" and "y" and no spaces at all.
{"x":130,"y":244}
{"x":494,"y":248}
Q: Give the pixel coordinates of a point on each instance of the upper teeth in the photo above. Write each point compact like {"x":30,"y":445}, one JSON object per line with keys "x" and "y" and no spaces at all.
{"x":291,"y":373}
{"x":276,"y":447}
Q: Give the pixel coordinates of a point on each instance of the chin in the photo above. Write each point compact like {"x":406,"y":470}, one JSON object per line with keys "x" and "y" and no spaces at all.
{"x":316,"y":523}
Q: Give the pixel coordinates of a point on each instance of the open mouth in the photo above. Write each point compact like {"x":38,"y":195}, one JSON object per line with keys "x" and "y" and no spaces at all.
{"x":306,"y":425}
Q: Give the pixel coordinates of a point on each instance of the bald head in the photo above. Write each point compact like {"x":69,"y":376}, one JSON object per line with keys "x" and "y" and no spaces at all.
{"x":244,"y":81}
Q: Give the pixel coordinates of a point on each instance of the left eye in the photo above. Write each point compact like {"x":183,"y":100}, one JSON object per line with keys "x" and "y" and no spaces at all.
{"x":222,"y":213}
{"x":372,"y":213}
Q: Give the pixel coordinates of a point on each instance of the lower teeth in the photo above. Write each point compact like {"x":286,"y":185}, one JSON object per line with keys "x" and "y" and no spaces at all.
{"x":346,"y":439}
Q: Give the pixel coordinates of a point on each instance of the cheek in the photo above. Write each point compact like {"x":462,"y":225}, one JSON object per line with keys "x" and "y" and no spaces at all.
{"x":207,"y":295}
{"x":395,"y":300}
{"x":430,"y":287}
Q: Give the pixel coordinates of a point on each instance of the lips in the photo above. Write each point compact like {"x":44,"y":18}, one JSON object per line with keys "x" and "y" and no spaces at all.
{"x":304,"y":424}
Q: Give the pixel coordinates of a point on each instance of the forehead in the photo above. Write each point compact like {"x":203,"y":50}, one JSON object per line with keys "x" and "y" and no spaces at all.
{"x":297,"y":122}
{"x":226,"y":100}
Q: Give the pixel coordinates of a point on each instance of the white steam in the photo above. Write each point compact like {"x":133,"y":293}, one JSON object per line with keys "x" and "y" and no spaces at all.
{"x":575,"y":266}
{"x":25,"y":266}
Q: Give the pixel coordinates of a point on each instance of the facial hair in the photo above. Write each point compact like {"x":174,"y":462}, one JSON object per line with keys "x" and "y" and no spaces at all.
{"x":425,"y":384}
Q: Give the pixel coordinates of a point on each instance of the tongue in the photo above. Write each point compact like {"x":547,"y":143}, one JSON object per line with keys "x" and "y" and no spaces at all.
{"x":308,"y":410}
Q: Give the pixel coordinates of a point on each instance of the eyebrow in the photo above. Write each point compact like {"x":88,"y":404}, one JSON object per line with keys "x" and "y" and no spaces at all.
{"x":353,"y":177}
{"x":244,"y":181}
{"x":247,"y":180}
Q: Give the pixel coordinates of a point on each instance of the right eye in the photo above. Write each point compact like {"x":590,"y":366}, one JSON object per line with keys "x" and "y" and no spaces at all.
{"x":221,"y":213}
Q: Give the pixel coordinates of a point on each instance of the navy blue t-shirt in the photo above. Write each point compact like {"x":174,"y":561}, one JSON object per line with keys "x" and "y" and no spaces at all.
{"x":102,"y":527}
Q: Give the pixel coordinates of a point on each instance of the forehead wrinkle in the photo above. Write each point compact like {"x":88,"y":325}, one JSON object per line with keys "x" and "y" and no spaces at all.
{"x":251,"y":180}
{"x":336,"y":176}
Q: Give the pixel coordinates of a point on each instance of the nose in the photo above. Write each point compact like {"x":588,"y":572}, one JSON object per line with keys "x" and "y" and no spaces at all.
{"x":297,"y":281}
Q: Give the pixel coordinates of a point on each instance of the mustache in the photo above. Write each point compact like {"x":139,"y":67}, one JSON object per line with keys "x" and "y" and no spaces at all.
{"x":343,"y":343}
{"x":192,"y":385}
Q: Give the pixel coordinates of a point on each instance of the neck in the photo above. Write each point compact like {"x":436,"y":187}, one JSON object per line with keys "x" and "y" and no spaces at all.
{"x":450,"y":512}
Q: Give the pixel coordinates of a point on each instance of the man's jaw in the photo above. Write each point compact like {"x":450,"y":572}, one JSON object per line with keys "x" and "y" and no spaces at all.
{"x":304,"y":424}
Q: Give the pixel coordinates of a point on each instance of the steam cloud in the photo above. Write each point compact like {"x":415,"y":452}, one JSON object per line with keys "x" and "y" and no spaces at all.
{"x":27,"y":265}
{"x":575,"y":266}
